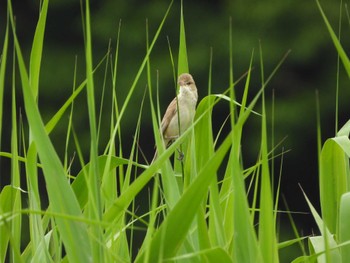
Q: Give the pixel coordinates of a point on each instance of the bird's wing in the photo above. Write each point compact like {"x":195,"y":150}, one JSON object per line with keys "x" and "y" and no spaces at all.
{"x":168,"y":115}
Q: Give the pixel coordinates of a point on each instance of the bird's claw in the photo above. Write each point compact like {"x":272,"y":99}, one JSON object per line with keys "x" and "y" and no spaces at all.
{"x":181,"y":155}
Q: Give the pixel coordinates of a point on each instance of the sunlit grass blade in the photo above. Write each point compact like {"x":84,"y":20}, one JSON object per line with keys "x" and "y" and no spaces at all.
{"x":344,"y":58}
{"x":74,"y":234}
{"x":212,"y":233}
{"x":329,"y":245}
{"x":16,"y":222}
{"x":35,"y":224}
{"x":182,"y":66}
{"x":7,"y":203}
{"x":94,"y":206}
{"x":333,"y":180}
{"x":267,"y":234}
{"x":37,"y":47}
{"x":246,"y":248}
{"x":344,"y":226}
{"x":204,"y":151}
{"x":207,"y":255}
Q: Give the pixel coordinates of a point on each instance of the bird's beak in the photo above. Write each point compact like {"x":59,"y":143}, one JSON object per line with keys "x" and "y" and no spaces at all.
{"x":181,"y":83}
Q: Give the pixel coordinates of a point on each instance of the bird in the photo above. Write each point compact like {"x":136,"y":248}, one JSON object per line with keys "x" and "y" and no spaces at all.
{"x":182,"y":108}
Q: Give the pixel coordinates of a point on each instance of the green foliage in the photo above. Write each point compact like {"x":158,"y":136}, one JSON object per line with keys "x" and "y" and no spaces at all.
{"x":334,"y":180}
{"x":199,"y":211}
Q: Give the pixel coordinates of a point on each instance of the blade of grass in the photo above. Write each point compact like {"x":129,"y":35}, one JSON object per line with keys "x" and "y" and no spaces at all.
{"x":3,"y":61}
{"x":216,"y":254}
{"x":37,"y":47}
{"x":344,"y":58}
{"x":74,"y":234}
{"x":213,"y":234}
{"x":344,"y":226}
{"x":182,"y":66}
{"x":94,"y":201}
{"x":16,"y":223}
{"x":332,"y":253}
{"x":242,"y":224}
{"x":333,"y":182}
{"x":6,"y":207}
{"x":36,"y":228}
{"x":267,"y":234}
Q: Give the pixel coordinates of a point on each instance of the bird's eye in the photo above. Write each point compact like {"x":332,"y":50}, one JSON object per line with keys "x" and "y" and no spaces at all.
{"x":188,"y":82}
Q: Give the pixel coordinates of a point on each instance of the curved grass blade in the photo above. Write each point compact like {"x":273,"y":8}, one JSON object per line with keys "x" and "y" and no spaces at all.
{"x":333,"y":180}
{"x":61,"y":197}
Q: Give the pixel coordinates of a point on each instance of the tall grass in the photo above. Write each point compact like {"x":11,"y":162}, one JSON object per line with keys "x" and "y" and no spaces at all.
{"x":193,"y":216}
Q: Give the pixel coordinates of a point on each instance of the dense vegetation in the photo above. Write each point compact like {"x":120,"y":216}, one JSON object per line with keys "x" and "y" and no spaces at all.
{"x":79,"y":187}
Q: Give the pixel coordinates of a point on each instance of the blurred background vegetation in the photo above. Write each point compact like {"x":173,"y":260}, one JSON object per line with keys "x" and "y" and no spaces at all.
{"x":280,"y":26}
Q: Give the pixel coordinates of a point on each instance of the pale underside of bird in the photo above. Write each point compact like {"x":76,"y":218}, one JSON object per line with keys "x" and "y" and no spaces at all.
{"x":180,"y":112}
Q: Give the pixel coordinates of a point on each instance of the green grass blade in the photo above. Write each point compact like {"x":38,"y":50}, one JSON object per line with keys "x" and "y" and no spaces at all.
{"x":333,"y":182}
{"x":344,"y":58}
{"x":37,"y":48}
{"x":182,"y":66}
{"x":204,"y":151}
{"x":267,"y":234}
{"x":216,"y":254}
{"x":344,"y":226}
{"x":246,"y":248}
{"x":329,"y":246}
{"x":35,"y":223}
{"x":16,"y":223}
{"x":94,"y":208}
{"x":345,"y":130}
{"x":3,"y":61}
{"x":7,"y":203}
{"x":74,"y":234}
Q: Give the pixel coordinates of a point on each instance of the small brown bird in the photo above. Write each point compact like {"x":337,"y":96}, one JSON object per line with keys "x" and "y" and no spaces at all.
{"x":186,"y":100}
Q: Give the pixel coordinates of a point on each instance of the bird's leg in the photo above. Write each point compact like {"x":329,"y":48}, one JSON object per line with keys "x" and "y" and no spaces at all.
{"x":171,"y":140}
{"x":181,"y":155}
